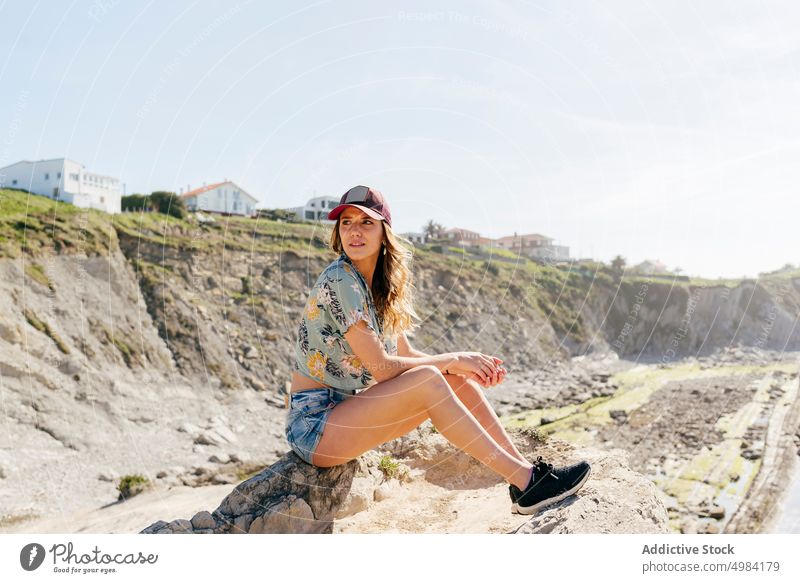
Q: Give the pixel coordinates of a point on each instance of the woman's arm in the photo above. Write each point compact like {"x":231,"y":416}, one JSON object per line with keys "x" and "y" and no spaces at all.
{"x":404,"y":347}
{"x":372,"y":353}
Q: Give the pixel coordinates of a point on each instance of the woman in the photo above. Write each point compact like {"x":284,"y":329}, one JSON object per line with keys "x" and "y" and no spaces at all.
{"x":352,"y":336}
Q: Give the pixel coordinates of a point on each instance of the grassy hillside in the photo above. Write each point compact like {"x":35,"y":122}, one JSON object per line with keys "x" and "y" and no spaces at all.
{"x":39,"y":226}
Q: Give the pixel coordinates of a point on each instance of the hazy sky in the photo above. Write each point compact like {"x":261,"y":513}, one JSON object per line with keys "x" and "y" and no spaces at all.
{"x":666,"y":130}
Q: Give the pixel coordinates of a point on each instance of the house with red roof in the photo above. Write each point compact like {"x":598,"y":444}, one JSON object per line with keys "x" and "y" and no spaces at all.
{"x":535,"y":246}
{"x":222,"y":197}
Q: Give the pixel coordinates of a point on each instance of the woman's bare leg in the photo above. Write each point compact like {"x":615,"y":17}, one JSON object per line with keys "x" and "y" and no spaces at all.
{"x":378,"y":414}
{"x":471,"y":394}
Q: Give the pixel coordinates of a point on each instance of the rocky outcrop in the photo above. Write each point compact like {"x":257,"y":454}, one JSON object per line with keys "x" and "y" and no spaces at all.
{"x":291,"y":496}
{"x":615,"y":500}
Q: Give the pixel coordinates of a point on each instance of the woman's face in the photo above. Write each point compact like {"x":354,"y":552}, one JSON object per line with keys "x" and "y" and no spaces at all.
{"x":361,"y":235}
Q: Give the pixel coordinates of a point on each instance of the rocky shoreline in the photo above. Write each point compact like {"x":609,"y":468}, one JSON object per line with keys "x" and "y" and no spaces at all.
{"x":699,"y":428}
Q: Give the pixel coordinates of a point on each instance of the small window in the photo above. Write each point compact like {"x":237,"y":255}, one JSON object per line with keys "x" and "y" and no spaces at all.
{"x":310,"y":215}
{"x":46,"y":176}
{"x":58,"y":175}
{"x":102,"y":200}
{"x":14,"y":182}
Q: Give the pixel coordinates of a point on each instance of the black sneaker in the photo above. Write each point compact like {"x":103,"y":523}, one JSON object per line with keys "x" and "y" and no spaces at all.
{"x":514,"y":493}
{"x":549,"y":485}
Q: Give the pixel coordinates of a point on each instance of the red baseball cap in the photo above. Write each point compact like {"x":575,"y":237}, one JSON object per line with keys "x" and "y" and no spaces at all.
{"x":367,"y":199}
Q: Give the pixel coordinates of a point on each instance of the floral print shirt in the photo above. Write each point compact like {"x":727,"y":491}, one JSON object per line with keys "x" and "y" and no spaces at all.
{"x":339,"y":299}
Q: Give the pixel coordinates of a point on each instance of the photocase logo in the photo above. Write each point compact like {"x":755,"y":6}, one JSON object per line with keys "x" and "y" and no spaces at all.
{"x":31,"y":556}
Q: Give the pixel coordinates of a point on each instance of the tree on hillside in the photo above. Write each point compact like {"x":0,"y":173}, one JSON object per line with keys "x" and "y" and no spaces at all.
{"x":168,"y":203}
{"x":136,"y":202}
{"x":618,"y":265}
{"x":433,"y":229}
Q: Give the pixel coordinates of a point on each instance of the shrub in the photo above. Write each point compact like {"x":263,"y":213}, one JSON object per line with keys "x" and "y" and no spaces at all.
{"x":491,"y":268}
{"x":136,"y":202}
{"x":534,"y":433}
{"x":275,"y":215}
{"x":389,"y":467}
{"x":168,"y":203}
{"x":247,"y":287}
{"x":132,"y":485}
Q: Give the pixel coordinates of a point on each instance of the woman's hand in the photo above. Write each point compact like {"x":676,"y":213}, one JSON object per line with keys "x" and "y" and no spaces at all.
{"x":500,"y":374}
{"x":484,"y":369}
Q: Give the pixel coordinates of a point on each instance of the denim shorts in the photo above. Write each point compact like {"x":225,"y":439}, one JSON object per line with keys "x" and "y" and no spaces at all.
{"x":308,"y":412}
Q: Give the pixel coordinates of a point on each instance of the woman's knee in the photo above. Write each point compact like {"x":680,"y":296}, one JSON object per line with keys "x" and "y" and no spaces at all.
{"x":427,"y":373}
{"x":430,"y":382}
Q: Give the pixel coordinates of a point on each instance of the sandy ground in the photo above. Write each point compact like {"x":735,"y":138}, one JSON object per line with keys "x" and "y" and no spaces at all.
{"x":132,"y":515}
{"x":425,"y":505}
{"x":428,"y":508}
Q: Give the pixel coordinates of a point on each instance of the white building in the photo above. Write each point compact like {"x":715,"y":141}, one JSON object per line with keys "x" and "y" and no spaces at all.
{"x":64,"y":180}
{"x":222,"y":197}
{"x":462,"y":237}
{"x":416,"y":238}
{"x":534,"y":246}
{"x":316,"y":209}
{"x":651,"y":267}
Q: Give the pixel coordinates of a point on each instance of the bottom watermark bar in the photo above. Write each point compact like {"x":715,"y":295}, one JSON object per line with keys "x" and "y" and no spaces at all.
{"x":353,"y":558}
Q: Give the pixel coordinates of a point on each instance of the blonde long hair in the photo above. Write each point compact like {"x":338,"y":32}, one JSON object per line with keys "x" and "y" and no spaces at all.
{"x":392,"y":285}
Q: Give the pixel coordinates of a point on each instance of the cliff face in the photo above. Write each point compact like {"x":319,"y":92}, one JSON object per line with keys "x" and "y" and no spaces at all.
{"x":81,"y":368}
{"x":229,"y":315}
{"x":658,"y":320}
{"x":73,"y":332}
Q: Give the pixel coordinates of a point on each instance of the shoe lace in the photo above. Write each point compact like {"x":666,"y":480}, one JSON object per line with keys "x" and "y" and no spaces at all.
{"x":542,"y":468}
